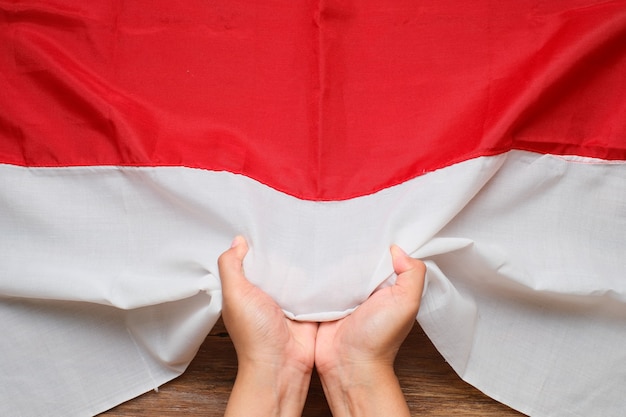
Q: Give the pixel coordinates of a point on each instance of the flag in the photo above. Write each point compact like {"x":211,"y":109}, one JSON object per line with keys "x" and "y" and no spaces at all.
{"x":137,"y":138}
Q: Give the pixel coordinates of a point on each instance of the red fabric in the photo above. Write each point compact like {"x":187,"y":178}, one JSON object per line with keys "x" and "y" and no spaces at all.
{"x":319,"y":99}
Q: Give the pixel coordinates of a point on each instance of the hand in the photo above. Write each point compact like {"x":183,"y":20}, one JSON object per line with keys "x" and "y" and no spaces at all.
{"x":257,"y":326}
{"x":354,"y":356}
{"x":275,"y":354}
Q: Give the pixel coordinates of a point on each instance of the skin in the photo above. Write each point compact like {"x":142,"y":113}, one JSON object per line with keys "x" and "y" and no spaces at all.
{"x":275,"y":355}
{"x":354,"y":356}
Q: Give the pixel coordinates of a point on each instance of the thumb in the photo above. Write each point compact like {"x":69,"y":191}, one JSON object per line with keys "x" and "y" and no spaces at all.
{"x":230,"y":264}
{"x":411,"y":272}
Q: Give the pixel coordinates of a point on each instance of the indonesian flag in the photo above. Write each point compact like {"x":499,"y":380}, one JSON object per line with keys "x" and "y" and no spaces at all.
{"x":137,"y":138}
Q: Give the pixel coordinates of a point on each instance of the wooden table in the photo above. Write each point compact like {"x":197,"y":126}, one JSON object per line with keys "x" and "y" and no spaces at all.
{"x":430,"y":385}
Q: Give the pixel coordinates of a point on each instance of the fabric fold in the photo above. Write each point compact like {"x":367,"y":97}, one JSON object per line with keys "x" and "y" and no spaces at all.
{"x":137,"y":138}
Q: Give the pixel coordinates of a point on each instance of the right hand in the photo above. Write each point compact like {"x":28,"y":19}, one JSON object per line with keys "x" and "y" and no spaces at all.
{"x":373,"y":333}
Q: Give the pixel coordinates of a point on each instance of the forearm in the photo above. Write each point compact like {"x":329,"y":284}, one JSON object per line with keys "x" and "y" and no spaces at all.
{"x":364,"y":392}
{"x":268,"y":391}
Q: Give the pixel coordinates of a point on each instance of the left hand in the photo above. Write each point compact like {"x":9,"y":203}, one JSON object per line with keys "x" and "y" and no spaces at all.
{"x":259,"y":329}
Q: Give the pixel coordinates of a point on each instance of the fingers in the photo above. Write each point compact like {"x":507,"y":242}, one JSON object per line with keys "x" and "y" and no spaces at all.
{"x":411,"y":272}
{"x":230,"y":264}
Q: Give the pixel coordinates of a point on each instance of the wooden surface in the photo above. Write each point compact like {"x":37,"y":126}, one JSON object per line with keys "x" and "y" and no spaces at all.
{"x":430,"y":386}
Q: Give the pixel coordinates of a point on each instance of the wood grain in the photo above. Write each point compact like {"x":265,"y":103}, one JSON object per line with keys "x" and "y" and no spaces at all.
{"x":430,"y":385}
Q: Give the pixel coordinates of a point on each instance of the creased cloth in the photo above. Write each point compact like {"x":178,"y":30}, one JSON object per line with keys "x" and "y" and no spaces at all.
{"x":137,"y":138}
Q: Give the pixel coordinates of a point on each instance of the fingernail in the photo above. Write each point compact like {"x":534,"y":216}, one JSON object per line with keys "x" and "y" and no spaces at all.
{"x":235,"y":242}
{"x":399,"y":250}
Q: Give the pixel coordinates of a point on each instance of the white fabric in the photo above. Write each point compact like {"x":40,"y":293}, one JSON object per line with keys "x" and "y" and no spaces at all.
{"x":108,"y":276}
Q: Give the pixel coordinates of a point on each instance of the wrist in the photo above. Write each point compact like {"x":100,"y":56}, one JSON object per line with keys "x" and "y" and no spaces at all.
{"x":364,"y":389}
{"x":274,"y":366}
{"x":268,"y":389}
{"x":345,"y":377}
{"x":275,"y":374}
